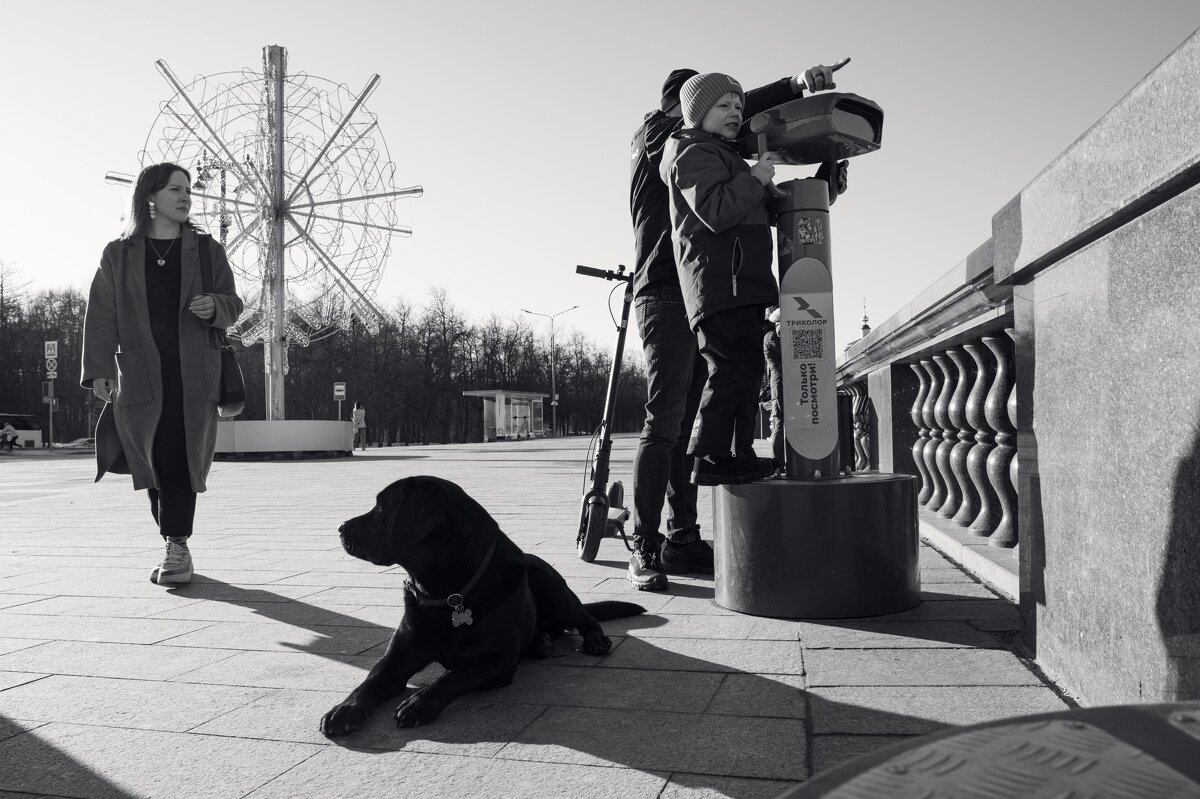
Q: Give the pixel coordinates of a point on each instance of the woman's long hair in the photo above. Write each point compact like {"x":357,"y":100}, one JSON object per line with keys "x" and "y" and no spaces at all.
{"x":152,"y":179}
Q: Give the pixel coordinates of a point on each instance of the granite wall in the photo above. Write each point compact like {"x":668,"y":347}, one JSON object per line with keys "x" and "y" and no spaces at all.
{"x":1103,"y":252}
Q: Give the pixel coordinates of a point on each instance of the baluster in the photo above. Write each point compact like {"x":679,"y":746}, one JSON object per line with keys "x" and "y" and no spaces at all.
{"x":941,"y":411}
{"x":862,"y":422}
{"x":989,"y":504}
{"x":918,"y":447}
{"x":1012,"y":418}
{"x":969,"y":498}
{"x":998,"y":462}
{"x":928,"y":413}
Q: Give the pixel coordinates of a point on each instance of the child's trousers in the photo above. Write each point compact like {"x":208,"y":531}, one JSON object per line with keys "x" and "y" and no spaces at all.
{"x":731,"y":343}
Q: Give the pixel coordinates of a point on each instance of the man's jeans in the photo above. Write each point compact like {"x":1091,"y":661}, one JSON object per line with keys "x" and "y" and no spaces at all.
{"x":675,"y":375}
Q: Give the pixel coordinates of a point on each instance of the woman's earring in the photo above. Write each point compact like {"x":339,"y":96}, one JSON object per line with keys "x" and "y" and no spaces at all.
{"x":152,"y":214}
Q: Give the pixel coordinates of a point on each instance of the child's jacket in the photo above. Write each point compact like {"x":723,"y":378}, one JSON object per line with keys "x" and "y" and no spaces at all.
{"x":719,"y":226}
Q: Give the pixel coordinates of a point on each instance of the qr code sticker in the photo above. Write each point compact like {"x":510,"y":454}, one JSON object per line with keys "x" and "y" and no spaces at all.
{"x":808,"y":345}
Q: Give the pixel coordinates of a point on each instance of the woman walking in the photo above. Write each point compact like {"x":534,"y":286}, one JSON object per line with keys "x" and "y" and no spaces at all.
{"x":150,"y":350}
{"x":359,"y":417}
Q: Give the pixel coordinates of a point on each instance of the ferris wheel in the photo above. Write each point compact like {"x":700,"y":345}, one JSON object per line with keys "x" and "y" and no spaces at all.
{"x":293,"y":176}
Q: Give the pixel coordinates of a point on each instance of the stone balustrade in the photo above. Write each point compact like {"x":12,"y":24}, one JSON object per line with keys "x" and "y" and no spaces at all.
{"x":1046,"y":392}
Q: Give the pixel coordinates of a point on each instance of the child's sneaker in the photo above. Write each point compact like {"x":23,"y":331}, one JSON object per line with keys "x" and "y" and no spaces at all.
{"x":176,"y":566}
{"x":711,"y":471}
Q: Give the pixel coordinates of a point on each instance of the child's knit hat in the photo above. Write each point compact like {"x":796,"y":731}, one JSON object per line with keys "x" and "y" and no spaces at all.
{"x":700,"y":93}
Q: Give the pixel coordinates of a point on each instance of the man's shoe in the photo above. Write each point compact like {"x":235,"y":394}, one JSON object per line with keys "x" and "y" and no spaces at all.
{"x":731,"y":471}
{"x":176,"y":566}
{"x":646,"y":571}
{"x":695,"y":557}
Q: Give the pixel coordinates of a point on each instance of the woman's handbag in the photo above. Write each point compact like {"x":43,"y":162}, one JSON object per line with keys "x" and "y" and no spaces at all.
{"x":233,"y":386}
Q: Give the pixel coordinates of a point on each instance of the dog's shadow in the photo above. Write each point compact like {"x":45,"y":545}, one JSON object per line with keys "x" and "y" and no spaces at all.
{"x":702,"y":711}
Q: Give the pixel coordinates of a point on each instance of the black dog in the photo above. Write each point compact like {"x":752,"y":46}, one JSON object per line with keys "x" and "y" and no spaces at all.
{"x":474,"y":602}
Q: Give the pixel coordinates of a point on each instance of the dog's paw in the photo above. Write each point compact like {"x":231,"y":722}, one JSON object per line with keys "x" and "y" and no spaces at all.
{"x":596,"y":643}
{"x":346,"y":717}
{"x":418,"y":709}
{"x":541,"y":647}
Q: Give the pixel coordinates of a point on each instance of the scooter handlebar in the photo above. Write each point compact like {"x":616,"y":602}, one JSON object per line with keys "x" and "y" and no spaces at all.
{"x":607,"y":274}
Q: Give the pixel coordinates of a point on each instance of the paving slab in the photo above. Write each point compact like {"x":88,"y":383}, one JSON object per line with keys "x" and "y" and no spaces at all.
{"x":950,"y":667}
{"x":14,"y":644}
{"x":130,"y":661}
{"x":740,"y":746}
{"x":137,"y":704}
{"x":10,"y":679}
{"x":706,"y":786}
{"x":469,"y":727}
{"x":95,"y":628}
{"x":829,"y":751}
{"x":774,"y":695}
{"x":915,"y":710}
{"x":692,"y":654}
{"x":893,"y":635}
{"x":112,"y":763}
{"x":281,"y":637}
{"x":367,"y":774}
{"x":681,"y":691}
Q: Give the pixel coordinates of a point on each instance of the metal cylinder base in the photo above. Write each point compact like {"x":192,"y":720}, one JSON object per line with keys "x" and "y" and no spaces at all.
{"x":818,"y":549}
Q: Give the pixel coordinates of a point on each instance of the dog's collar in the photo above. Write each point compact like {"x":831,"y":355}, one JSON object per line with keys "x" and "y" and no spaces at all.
{"x":459,"y":613}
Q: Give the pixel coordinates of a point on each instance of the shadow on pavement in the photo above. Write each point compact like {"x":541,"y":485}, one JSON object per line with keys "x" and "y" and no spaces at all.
{"x":643,"y":707}
{"x":28,"y":762}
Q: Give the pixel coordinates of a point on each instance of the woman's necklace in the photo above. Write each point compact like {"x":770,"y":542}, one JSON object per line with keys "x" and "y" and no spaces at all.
{"x":162,"y":257}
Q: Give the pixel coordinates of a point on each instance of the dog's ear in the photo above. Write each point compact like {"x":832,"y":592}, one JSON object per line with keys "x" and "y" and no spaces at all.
{"x":417,"y":508}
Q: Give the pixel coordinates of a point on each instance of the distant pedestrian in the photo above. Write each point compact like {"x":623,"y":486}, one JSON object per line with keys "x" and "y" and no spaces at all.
{"x":359,"y":418}
{"x":8,"y":436}
{"x":150,"y":351}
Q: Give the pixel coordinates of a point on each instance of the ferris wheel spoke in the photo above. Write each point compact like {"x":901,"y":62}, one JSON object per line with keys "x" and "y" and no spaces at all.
{"x":229,"y":200}
{"x":362,"y":97}
{"x":333,"y":161}
{"x":233,"y":162}
{"x":243,"y":233}
{"x":329,"y":263}
{"x":411,"y":191}
{"x":398,"y":230}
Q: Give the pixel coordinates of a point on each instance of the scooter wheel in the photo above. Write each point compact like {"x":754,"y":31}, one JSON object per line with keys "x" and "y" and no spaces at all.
{"x":591,"y":529}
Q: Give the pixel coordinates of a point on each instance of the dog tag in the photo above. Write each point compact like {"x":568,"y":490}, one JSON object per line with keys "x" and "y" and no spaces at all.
{"x":458,"y":615}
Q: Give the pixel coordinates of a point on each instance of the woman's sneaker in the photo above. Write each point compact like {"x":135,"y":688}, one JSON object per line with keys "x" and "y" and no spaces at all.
{"x":646,"y":571}
{"x":176,"y":566}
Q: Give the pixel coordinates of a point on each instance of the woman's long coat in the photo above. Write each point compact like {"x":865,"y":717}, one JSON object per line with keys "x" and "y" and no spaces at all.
{"x":118,"y":343}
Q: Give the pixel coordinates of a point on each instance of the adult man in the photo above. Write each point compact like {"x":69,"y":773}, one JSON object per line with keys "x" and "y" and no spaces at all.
{"x":675,"y":371}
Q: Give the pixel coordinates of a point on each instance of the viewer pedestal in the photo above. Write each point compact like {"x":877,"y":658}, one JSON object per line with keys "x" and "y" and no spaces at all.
{"x":818,"y":549}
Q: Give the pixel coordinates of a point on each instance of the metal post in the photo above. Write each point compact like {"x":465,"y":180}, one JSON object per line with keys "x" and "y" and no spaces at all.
{"x":50,"y":443}
{"x":553,"y":386}
{"x":276,"y":251}
{"x":806,"y":332}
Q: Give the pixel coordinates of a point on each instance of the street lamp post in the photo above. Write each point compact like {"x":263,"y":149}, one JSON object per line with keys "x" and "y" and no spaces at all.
{"x":553,"y":387}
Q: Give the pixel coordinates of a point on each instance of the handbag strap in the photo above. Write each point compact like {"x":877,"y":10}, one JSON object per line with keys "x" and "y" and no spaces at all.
{"x":206,"y":281}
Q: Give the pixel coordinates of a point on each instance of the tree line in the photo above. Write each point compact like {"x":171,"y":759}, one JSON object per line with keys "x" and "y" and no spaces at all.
{"x":409,"y":371}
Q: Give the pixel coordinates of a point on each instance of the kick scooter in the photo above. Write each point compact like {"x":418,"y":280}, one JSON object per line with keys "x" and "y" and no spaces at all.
{"x":603,"y":512}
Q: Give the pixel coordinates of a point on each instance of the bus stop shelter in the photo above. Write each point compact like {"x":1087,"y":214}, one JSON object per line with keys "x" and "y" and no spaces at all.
{"x":511,"y":415}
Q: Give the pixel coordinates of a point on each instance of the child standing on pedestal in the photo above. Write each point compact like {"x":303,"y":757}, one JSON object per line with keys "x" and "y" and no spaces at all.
{"x":722,"y":239}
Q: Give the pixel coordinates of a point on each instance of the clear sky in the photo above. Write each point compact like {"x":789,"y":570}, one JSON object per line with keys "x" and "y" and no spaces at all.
{"x":516,"y":118}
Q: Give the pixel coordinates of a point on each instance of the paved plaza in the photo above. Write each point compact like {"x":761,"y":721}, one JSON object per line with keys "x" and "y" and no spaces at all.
{"x":111,"y":686}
